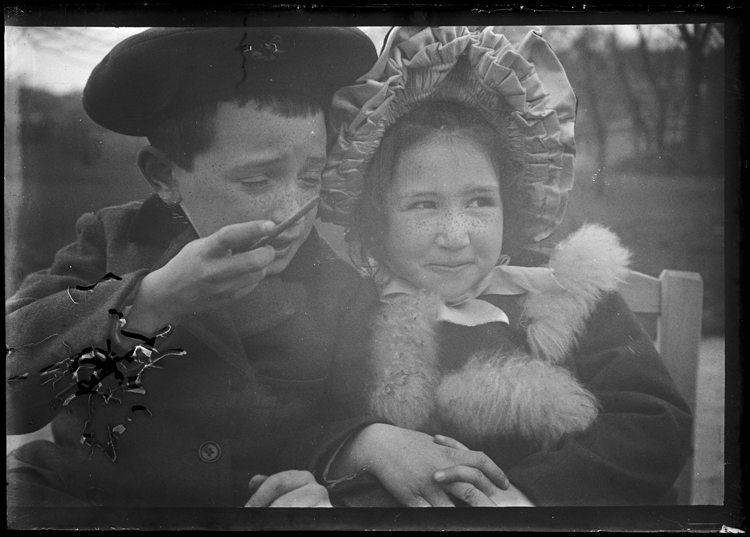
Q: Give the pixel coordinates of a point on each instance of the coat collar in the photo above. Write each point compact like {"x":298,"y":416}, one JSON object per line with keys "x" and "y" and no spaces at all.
{"x":157,"y":223}
{"x":518,"y":394}
{"x":273,"y":301}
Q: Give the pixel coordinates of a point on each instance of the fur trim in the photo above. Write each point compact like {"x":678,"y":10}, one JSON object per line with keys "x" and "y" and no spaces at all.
{"x":512,"y":396}
{"x":588,"y":263}
{"x":532,"y":398}
{"x":405,"y":353}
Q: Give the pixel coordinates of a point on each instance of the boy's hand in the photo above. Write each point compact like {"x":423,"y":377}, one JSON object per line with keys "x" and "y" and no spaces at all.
{"x":207,"y":273}
{"x":406,"y":463}
{"x":293,"y":488}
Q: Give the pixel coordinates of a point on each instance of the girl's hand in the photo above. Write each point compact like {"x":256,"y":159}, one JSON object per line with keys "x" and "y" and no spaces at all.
{"x":510,"y":498}
{"x":406,"y":462}
{"x":293,"y":488}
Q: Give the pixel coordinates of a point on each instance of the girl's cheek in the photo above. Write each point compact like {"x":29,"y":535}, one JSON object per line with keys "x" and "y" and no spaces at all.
{"x":488,"y":224}
{"x":421,"y":228}
{"x":407,"y":234}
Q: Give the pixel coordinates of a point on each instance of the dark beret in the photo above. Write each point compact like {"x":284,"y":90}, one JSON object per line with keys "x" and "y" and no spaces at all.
{"x":162,"y":72}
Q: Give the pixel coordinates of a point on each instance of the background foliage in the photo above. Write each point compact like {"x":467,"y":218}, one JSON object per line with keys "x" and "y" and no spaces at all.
{"x":650,"y":137}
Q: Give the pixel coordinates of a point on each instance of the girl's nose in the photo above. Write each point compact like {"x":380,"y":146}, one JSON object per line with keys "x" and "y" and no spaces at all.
{"x":454,"y":234}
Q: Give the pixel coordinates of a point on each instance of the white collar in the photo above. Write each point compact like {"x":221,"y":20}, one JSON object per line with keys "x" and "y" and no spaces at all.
{"x":469,"y":310}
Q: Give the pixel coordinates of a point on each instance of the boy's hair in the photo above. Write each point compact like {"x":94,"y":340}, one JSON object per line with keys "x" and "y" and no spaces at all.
{"x":442,"y":120}
{"x":187,"y":135}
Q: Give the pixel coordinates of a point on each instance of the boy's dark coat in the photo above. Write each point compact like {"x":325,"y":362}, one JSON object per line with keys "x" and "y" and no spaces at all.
{"x":250,"y":378}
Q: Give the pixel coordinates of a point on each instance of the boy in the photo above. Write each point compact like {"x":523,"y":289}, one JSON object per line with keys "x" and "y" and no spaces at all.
{"x":174,"y":361}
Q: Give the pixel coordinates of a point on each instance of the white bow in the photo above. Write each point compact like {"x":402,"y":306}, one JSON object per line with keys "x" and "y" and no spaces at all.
{"x":469,"y":310}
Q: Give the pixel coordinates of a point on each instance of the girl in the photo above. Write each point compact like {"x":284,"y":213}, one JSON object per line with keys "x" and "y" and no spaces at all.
{"x":454,"y":156}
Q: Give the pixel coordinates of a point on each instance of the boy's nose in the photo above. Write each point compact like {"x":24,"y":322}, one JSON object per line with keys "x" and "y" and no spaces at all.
{"x":284,"y":208}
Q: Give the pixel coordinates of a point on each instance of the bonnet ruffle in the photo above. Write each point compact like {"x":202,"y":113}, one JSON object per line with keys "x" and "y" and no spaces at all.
{"x":523,"y":81}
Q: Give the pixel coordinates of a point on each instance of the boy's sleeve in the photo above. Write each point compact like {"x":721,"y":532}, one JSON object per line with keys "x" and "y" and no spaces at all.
{"x":637,"y":446}
{"x":57,"y":313}
{"x":340,"y":415}
{"x":315,"y":446}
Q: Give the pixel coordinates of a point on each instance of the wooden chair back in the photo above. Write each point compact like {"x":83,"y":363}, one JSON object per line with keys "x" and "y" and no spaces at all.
{"x":675,"y":300}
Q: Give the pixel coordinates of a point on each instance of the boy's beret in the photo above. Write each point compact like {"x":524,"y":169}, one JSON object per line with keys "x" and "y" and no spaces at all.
{"x":162,"y":72}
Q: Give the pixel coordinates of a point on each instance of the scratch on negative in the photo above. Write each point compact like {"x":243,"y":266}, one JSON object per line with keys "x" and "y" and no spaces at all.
{"x":9,"y":350}
{"x":71,"y":297}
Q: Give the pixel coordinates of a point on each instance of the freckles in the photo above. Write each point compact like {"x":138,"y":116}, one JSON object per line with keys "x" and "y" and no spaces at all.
{"x":258,"y":204}
{"x":489,"y":222}
{"x":423,"y":227}
{"x":467,"y":224}
{"x":277,"y":199}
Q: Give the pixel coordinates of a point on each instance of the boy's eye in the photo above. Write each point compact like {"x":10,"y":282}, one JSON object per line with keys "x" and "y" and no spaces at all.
{"x":311,"y":180}
{"x":423,"y":205}
{"x":255,"y":182}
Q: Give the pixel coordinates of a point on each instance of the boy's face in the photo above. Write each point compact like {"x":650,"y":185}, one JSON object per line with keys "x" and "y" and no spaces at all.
{"x":261,"y":166}
{"x":445,"y":218}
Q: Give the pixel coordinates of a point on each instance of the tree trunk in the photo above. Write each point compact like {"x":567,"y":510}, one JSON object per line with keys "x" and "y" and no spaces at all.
{"x":639,"y":125}
{"x":662,"y":96}
{"x":591,"y":58}
{"x":695,"y":41}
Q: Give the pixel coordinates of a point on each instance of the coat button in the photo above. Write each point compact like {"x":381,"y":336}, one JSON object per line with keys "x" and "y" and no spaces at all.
{"x":209,"y":452}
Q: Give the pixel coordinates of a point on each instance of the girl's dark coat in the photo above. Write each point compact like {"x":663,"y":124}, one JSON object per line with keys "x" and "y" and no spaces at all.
{"x":571,"y":400}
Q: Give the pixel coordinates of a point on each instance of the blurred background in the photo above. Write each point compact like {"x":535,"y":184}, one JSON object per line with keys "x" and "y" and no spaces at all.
{"x":650,"y":165}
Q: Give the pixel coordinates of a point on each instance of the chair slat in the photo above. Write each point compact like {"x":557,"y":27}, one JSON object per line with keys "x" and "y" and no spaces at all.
{"x":679,"y":328}
{"x":642,"y":292}
{"x":677,"y":297}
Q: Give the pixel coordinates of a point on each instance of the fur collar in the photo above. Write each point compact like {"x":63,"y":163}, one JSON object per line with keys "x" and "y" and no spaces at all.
{"x":530,"y":396}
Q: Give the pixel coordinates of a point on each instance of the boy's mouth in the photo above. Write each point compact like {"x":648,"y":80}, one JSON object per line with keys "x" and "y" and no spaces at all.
{"x":282,"y":247}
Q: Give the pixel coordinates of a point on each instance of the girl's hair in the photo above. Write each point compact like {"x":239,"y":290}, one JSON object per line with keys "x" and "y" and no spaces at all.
{"x":441,"y":120}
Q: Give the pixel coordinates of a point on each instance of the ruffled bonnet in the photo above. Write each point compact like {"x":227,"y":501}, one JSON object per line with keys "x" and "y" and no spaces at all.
{"x":519,"y":87}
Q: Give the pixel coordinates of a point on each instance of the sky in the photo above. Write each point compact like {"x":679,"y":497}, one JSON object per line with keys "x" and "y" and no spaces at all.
{"x":59,"y":60}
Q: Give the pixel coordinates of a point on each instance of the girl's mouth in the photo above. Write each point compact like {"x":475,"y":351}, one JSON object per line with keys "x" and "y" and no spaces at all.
{"x":449,"y":267}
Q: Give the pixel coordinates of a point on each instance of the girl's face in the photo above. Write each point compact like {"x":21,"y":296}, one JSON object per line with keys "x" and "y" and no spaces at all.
{"x":444,"y":216}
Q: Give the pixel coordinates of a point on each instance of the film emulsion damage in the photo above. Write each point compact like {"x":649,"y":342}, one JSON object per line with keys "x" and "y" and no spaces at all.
{"x":101,"y":374}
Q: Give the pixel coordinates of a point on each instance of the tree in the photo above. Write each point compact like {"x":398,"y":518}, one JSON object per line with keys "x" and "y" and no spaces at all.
{"x":642,"y":141}
{"x":661,"y":87}
{"x":697,"y":39}
{"x":588,"y":45}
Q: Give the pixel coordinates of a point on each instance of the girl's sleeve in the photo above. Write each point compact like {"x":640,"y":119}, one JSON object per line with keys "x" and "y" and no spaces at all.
{"x":56,"y":314}
{"x":637,"y":446}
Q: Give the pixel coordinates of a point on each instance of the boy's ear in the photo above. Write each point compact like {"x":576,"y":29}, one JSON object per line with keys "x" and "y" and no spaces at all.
{"x":157,"y":168}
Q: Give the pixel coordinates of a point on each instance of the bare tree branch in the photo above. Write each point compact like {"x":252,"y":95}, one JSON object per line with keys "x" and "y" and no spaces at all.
{"x":661,"y":93}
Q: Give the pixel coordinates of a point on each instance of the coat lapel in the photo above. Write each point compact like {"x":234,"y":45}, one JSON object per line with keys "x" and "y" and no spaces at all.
{"x":214,"y":328}
{"x":268,"y":305}
{"x":273,"y":301}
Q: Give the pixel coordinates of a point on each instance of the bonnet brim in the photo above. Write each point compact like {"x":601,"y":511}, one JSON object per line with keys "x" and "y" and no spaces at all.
{"x":525,"y":79}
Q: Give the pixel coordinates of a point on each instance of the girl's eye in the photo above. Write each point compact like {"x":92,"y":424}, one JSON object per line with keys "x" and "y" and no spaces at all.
{"x":482,"y":201}
{"x":423,"y":205}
